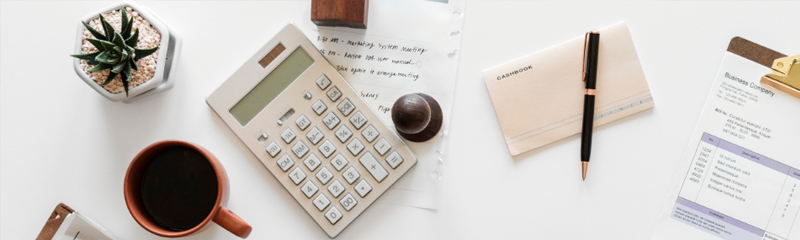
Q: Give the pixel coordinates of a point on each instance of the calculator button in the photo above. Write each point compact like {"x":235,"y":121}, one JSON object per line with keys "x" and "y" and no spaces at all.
{"x":285,"y":162}
{"x":333,"y":215}
{"x":363,"y":188}
{"x":355,"y":146}
{"x":327,"y":148}
{"x":262,"y":137}
{"x":370,"y":133}
{"x":339,"y":162}
{"x":346,"y":107}
{"x":309,"y":189}
{"x":334,"y":94}
{"x":312,"y":162}
{"x":321,"y":202}
{"x":307,"y":96}
{"x":302,"y":122}
{"x":273,"y":149}
{"x":331,"y":120}
{"x":348,"y":202}
{"x":324,"y":175}
{"x":343,"y":133}
{"x":336,"y":188}
{"x":319,"y":107}
{"x":323,"y":82}
{"x":373,"y":167}
{"x":297,"y":175}
{"x":382,"y":146}
{"x":314,"y":135}
{"x":351,"y":175}
{"x":288,"y":136}
{"x":300,"y":149}
{"x":358,"y":120}
{"x":394,"y":159}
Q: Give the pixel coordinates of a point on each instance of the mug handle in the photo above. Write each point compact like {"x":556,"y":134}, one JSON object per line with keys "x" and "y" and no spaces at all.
{"x":234,"y":224}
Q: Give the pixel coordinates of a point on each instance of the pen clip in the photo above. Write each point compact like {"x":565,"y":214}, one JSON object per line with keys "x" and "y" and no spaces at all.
{"x":585,"y":53}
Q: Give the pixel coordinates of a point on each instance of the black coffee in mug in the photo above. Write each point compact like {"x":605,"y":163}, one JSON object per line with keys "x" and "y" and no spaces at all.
{"x":179,"y":188}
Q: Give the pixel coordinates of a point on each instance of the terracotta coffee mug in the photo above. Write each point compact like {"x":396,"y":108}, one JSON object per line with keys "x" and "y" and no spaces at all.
{"x":220,"y":214}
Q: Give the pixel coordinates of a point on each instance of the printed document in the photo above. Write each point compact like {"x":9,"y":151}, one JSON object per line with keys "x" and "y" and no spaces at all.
{"x":740,"y":174}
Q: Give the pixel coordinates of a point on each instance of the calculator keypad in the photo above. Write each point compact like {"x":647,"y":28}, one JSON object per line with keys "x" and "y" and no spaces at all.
{"x":323,"y":82}
{"x":351,"y":175}
{"x":363,"y":188}
{"x":312,"y":162}
{"x":273,"y":149}
{"x":331,"y":120}
{"x":333,"y":215}
{"x":319,"y":107}
{"x":303,"y":122}
{"x":324,"y":175}
{"x":373,"y":167}
{"x":358,"y":120}
{"x":339,"y":162}
{"x":327,"y":148}
{"x":336,"y":188}
{"x":346,"y":107}
{"x":300,"y":149}
{"x":343,"y":133}
{"x":288,"y":135}
{"x":321,"y":202}
{"x":315,"y":135}
{"x":297,"y":175}
{"x":309,"y":189}
{"x":370,"y":133}
{"x":334,"y":94}
{"x":382,"y":146}
{"x":394,"y":159}
{"x":348,"y":202}
{"x":355,"y":146}
{"x":285,"y":162}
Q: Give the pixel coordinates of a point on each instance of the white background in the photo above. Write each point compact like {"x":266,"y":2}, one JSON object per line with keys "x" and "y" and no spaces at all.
{"x":60,"y":141}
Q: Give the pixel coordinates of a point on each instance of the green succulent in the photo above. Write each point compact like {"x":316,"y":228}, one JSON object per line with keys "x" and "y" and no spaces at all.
{"x":115,"y":50}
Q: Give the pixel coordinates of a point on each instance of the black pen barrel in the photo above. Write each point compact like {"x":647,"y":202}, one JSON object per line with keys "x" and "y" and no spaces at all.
{"x":590,"y":77}
{"x":588,"y":122}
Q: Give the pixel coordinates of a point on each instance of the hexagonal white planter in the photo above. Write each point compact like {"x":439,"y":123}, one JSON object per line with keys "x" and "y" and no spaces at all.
{"x":169,"y":50}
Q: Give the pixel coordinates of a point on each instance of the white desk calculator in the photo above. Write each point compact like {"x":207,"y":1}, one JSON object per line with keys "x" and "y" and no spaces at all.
{"x":308,"y":126}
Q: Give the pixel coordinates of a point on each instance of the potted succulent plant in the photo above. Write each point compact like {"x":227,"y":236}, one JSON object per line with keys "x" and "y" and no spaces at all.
{"x":125,"y":51}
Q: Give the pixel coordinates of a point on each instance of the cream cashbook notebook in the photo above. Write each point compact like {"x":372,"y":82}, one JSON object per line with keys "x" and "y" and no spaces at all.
{"x":539,"y":97}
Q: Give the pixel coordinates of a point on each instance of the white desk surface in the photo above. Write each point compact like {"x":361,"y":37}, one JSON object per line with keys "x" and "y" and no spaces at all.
{"x":63,"y":142}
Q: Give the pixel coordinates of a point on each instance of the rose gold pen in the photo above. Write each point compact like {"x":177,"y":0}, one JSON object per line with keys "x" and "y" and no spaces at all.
{"x":590,"y":49}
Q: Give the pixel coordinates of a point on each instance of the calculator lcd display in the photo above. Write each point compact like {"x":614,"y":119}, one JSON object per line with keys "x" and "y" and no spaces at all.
{"x":272,"y":85}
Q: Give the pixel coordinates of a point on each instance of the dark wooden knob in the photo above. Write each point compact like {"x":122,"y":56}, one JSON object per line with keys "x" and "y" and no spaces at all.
{"x":417,"y":117}
{"x":345,"y":13}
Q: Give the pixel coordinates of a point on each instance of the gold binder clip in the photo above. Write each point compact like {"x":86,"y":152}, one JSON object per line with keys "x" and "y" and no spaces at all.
{"x":783,"y":77}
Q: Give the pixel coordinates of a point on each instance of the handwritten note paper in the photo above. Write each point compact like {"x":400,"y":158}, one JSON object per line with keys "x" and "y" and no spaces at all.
{"x":381,"y":70}
{"x":387,"y":49}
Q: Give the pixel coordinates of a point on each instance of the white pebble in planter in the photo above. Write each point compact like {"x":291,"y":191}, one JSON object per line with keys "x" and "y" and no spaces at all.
{"x":150,"y":73}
